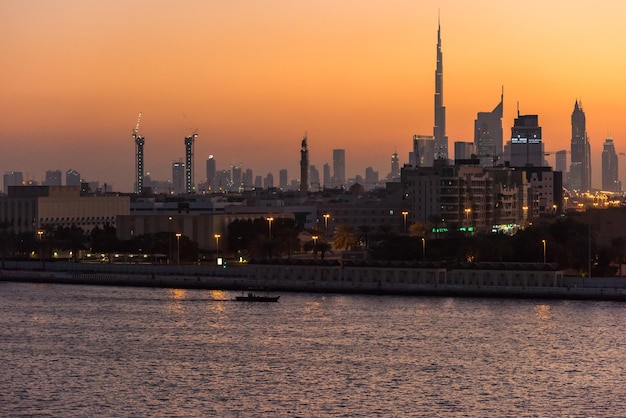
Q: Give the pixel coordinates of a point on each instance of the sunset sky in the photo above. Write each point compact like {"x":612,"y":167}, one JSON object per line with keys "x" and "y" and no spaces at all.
{"x":253,"y":76}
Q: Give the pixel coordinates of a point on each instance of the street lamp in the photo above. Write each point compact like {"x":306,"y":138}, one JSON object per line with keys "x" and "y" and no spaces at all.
{"x":423,"y":248}
{"x":217,"y":246}
{"x":326,"y":216}
{"x":40,"y":233}
{"x":544,"y":250}
{"x":269,"y":220}
{"x":178,"y":235}
{"x":314,"y":246}
{"x":404,"y":213}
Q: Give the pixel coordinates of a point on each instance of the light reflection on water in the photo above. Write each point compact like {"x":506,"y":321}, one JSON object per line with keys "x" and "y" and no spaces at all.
{"x":85,"y":351}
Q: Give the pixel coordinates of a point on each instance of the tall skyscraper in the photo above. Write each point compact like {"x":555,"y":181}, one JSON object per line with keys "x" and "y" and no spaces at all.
{"x":423,"y":151}
{"x":237,"y":177}
{"x":561,"y":161}
{"x":488,"y":135}
{"x":526,"y":142}
{"x":314,"y":178}
{"x":72,"y":178}
{"x":439,"y":130}
{"x":394,"y":174}
{"x":283,"y":182}
{"x":178,"y":177}
{"x":304,"y":167}
{"x":211,"y":169}
{"x":246,"y":179}
{"x":580,"y":168}
{"x":12,"y":178}
{"x":326,"y":168}
{"x":53,"y":178}
{"x":610,"y":168}
{"x":339,"y":168}
{"x":464,"y":150}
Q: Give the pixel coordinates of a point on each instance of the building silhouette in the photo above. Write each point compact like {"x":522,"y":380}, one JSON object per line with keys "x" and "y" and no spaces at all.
{"x":439,"y":130}
{"x":304,"y":167}
{"x":314,"y":178}
{"x":526,"y":143}
{"x":139,"y":166}
{"x":488,"y":135}
{"x":423,"y":154}
{"x":327,"y":177}
{"x":610,"y":167}
{"x":339,"y":168}
{"x":211,"y":170}
{"x":189,"y":182}
{"x":53,"y":178}
{"x":178,"y":177}
{"x":394,"y":174}
{"x":283,"y":179}
{"x":464,"y":150}
{"x":72,"y":178}
{"x":12,"y":178}
{"x":580,"y":167}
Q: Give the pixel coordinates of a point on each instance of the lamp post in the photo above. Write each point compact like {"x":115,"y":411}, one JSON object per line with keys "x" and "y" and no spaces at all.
{"x":217,"y":248}
{"x":423,"y":248}
{"x":314,"y":246}
{"x":544,"y":250}
{"x":269,"y":220}
{"x":404,"y":213}
{"x":326,"y":216}
{"x":467,"y":217}
{"x":40,"y":233}
{"x":178,"y":235}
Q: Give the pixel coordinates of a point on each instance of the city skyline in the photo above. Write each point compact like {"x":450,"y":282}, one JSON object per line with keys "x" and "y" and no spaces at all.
{"x":355,"y":77}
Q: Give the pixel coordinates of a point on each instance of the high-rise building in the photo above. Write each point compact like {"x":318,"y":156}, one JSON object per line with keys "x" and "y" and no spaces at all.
{"x":314,"y":178}
{"x":439,"y":130}
{"x":72,"y":178}
{"x":423,"y":151}
{"x":488,"y":135}
{"x":304,"y":167}
{"x":339,"y":168}
{"x":561,"y":161}
{"x":526,"y":142}
{"x":211,"y":169}
{"x":268,"y":183}
{"x":246,"y":179}
{"x":394,"y":174}
{"x":327,"y":183}
{"x":190,"y":186}
{"x":371,"y":178}
{"x":283,"y":182}
{"x":580,"y":168}
{"x":236,"y":177}
{"x":53,"y":178}
{"x":464,"y":150}
{"x":610,"y":167}
{"x":12,"y":178}
{"x":178,"y":177}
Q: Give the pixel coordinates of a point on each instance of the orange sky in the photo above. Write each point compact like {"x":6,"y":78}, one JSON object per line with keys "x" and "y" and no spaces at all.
{"x":253,"y":76}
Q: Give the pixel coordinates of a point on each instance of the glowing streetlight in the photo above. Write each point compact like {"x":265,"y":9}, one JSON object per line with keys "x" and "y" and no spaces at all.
{"x":544,"y":250}
{"x":404,"y":213}
{"x":40,"y":233}
{"x":269,"y":220}
{"x":178,"y":235}
{"x":326,"y":216}
{"x":314,"y":246}
{"x":423,"y":248}
{"x":217,"y":246}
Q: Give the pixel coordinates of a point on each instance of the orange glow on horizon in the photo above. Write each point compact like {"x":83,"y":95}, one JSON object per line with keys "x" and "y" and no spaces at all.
{"x":253,"y":79}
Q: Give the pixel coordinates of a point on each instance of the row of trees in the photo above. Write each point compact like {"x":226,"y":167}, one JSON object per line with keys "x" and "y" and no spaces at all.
{"x":566,"y":242}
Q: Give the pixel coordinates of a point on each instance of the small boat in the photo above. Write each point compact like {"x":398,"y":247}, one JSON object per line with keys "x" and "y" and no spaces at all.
{"x":251,"y":297}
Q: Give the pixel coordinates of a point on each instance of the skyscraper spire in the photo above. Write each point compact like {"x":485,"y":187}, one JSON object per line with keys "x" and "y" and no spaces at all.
{"x":439,"y":130}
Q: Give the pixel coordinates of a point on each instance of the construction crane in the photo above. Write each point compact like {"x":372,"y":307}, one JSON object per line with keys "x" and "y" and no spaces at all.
{"x":189,"y":140}
{"x":139,"y":143}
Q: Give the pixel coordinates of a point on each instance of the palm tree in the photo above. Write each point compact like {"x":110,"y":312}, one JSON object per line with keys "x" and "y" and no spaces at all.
{"x":344,"y":237}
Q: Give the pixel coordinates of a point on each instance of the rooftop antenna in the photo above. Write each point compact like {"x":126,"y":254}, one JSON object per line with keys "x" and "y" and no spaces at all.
{"x":518,"y":108}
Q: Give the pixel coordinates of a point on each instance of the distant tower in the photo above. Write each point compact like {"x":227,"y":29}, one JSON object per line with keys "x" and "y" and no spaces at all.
{"x":326,"y":173}
{"x":72,"y":178}
{"x":580,"y":168}
{"x":283,"y":182}
{"x":526,"y":142}
{"x":189,"y":185}
{"x":339,"y":168}
{"x":424,"y":151}
{"x":464,"y":150}
{"x":12,"y":178}
{"x":139,"y":143}
{"x":488,"y":135}
{"x":178,"y":177}
{"x":237,"y":177}
{"x":211,"y":169}
{"x":561,"y":161}
{"x":610,"y":168}
{"x":314,"y":178}
{"x":394,"y":174}
{"x":439,"y":130}
{"x":304,"y":167}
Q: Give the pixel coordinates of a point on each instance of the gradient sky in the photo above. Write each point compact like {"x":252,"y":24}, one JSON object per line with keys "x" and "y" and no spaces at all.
{"x":253,"y":76}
